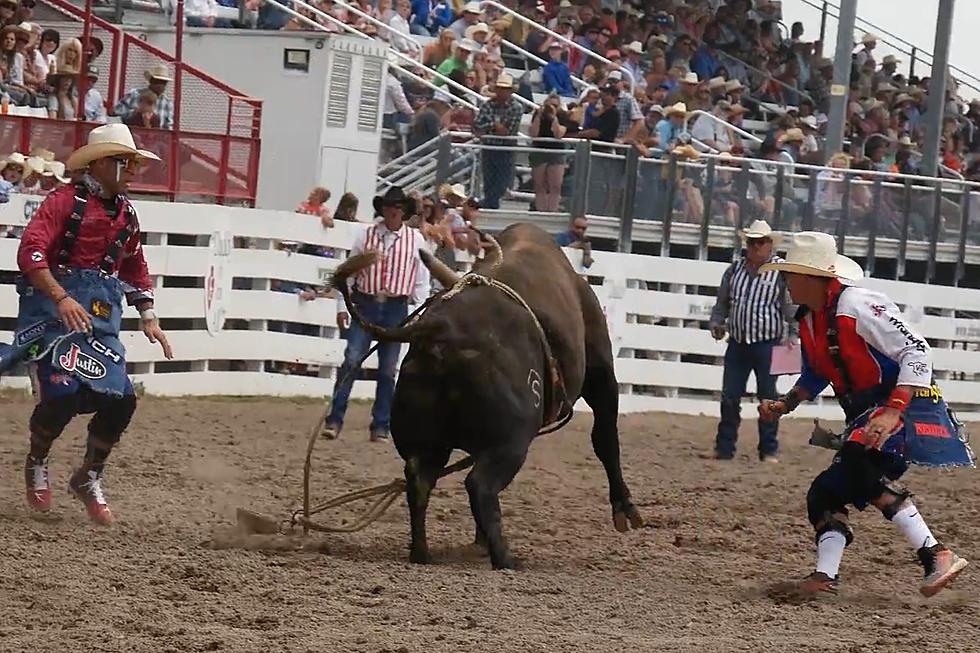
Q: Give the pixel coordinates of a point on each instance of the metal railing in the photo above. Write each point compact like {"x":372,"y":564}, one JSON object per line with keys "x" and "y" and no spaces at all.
{"x":882,"y":218}
{"x":559,"y":37}
{"x":895,"y":42}
{"x":408,"y":38}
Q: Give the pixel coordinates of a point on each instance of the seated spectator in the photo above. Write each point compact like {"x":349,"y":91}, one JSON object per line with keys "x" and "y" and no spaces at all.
{"x":8,"y":12}
{"x":94,"y":104}
{"x":429,"y":17}
{"x":13,"y":38}
{"x":472,"y":13}
{"x":53,"y":176}
{"x":50,"y":40}
{"x":439,"y":50}
{"x":157,"y":78}
{"x":200,"y":13}
{"x":63,"y":98}
{"x":145,"y":114}
{"x":14,"y":169}
{"x":555,"y":75}
{"x":459,"y":60}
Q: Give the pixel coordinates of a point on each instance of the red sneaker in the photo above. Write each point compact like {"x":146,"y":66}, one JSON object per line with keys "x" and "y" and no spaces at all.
{"x":818,"y":582}
{"x":38,"y":485}
{"x":941,"y":566}
{"x":86,"y":486}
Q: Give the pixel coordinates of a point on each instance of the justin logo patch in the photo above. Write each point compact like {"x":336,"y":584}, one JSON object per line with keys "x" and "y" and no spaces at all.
{"x":101,"y":309}
{"x":37,"y":257}
{"x":77,"y":361}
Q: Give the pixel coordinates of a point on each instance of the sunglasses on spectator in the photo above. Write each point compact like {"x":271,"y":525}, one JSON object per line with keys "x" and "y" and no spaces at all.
{"x":129,"y":163}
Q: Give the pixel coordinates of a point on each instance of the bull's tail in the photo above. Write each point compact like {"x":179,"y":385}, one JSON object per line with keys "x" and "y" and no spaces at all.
{"x":353,"y":265}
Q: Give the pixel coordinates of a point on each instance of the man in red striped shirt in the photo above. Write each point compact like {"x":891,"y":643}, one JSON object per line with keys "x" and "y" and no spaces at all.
{"x":383,"y":293}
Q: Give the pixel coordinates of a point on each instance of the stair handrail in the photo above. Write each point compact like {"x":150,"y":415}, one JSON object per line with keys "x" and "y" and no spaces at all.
{"x":561,"y":38}
{"x":391,"y":50}
{"x":374,"y":21}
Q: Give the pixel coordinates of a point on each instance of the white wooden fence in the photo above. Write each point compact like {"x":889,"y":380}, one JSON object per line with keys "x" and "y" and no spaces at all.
{"x":657,"y":310}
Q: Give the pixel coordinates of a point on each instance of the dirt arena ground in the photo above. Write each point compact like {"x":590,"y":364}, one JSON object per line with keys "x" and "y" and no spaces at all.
{"x":170,"y":575}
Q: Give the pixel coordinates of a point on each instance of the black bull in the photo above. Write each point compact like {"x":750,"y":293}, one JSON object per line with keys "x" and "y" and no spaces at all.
{"x":476,"y":378}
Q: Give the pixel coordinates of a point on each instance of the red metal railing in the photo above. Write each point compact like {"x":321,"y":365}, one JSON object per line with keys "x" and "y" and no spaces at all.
{"x":194,"y":166}
{"x":215,"y":122}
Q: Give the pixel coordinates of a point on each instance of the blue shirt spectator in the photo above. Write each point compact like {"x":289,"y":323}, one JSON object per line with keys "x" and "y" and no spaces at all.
{"x":556,"y":76}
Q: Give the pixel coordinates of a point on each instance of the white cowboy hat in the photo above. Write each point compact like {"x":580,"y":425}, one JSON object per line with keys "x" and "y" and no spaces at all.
{"x":635,"y":47}
{"x":760,"y":229}
{"x":34,"y":165}
{"x":690,"y":78}
{"x":815,"y":254}
{"x":469,"y":45}
{"x":457,"y":190}
{"x":55,"y":169}
{"x":17,"y":159}
{"x":679,"y":108}
{"x":472,"y":8}
{"x":478,"y":28}
{"x":107,"y":140}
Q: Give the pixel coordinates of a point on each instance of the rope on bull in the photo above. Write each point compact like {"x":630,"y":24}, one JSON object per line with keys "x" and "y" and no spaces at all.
{"x":388,"y":493}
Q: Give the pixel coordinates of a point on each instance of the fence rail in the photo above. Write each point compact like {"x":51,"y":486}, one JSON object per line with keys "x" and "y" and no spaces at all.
{"x":657,"y":309}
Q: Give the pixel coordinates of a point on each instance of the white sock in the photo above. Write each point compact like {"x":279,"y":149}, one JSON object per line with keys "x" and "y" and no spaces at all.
{"x":910,"y":522}
{"x":830,"y":550}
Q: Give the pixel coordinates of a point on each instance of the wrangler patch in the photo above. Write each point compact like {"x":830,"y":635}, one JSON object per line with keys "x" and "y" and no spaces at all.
{"x":101,"y":309}
{"x":931,"y":430}
{"x":30,"y":334}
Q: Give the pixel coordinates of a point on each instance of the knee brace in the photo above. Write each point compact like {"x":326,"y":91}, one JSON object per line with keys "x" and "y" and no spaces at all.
{"x":821,"y":502}
{"x":831,"y":523}
{"x":897,"y":496}
{"x":111,"y":418}
{"x":50,"y":417}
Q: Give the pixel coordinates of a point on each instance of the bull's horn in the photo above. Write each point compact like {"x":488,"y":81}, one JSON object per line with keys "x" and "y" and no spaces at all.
{"x":496,"y":255}
{"x":349,"y":268}
{"x":445,"y":276}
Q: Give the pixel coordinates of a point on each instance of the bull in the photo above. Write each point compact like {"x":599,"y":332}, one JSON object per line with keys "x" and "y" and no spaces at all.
{"x":487,"y":366}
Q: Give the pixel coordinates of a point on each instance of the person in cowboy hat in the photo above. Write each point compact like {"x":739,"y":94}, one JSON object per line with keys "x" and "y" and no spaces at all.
{"x":857,"y":341}
{"x":753,"y":308}
{"x":383,"y":293}
{"x":80,"y":256}
{"x":157,"y":78}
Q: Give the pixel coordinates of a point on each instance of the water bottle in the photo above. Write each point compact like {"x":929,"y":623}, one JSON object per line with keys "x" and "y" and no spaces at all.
{"x":5,"y":103}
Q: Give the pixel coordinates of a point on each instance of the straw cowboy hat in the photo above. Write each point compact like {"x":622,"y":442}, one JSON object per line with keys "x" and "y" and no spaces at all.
{"x":159,"y":72}
{"x":815,"y":254}
{"x":759,"y":229}
{"x":113,"y":139}
{"x":677,"y":109}
{"x":794,"y":135}
{"x":504,"y":81}
{"x":690,"y":78}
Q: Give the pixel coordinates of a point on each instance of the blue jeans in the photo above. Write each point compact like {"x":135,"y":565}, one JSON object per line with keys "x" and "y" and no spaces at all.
{"x":386,"y":314}
{"x":740,"y":360}
{"x":498,"y":174}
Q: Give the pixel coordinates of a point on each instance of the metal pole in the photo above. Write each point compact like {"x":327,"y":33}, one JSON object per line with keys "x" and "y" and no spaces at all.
{"x":178,"y":62}
{"x":842,"y":77}
{"x":937,"y":89}
{"x":823,"y":25}
{"x":83,"y":83}
{"x":628,"y":208}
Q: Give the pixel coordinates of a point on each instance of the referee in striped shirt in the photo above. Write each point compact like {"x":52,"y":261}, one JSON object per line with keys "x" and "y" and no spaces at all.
{"x":756,"y":312}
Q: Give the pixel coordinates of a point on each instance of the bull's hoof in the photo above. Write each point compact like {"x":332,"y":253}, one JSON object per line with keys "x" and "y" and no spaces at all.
{"x":627,"y":517}
{"x":419,"y":557}
{"x":505,"y":561}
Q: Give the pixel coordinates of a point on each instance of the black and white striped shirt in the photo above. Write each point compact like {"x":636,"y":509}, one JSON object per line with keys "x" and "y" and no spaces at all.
{"x":755,"y":306}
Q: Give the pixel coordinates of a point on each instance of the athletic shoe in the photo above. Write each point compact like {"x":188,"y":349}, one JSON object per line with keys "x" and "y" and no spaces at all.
{"x":378,"y":435}
{"x":38,"y":484}
{"x":86,"y":486}
{"x":941,"y":566}
{"x":819,"y":582}
{"x":330,"y":431}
